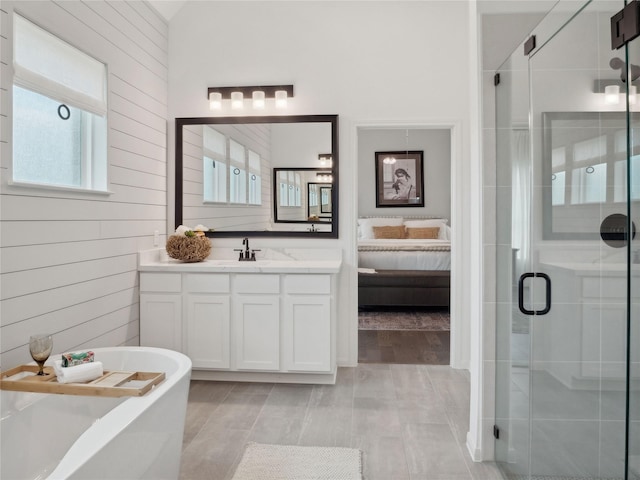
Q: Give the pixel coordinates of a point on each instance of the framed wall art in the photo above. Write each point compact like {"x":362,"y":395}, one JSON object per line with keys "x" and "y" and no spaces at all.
{"x":399,"y":179}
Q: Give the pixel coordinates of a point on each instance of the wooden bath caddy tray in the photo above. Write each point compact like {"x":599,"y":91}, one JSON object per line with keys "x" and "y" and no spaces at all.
{"x":111,"y":384}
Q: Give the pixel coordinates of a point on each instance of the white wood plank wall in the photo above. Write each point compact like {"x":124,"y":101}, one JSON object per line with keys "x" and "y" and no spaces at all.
{"x":68,"y":260}
{"x":226,"y":217}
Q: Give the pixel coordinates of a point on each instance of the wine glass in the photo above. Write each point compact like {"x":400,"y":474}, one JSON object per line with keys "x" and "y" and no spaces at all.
{"x":40,"y":347}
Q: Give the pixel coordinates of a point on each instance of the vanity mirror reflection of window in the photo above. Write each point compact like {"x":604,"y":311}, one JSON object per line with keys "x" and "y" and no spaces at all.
{"x":225,"y":175}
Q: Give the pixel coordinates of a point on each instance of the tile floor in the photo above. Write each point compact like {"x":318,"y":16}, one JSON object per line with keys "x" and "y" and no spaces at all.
{"x":410,"y":421}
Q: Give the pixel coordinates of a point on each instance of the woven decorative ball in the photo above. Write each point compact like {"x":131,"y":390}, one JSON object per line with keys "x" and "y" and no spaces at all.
{"x":188,"y":249}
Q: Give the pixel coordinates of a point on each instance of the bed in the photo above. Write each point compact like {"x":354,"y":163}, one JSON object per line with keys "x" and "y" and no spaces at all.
{"x":404,"y":261}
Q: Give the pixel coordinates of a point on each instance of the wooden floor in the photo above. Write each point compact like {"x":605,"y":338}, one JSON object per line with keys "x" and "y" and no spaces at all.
{"x":403,"y":346}
{"x":410,"y":421}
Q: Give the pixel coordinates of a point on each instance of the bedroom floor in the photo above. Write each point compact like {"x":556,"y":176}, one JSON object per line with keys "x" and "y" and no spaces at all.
{"x":403,"y":336}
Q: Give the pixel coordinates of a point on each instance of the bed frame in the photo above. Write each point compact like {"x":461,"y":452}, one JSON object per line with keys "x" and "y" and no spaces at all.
{"x":423,"y":288}
{"x":416,"y":288}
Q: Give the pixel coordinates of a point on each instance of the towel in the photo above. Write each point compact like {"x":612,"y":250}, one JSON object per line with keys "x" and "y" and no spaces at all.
{"x":78,"y":373}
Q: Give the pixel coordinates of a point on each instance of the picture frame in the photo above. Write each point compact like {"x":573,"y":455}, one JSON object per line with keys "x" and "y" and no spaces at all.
{"x":399,"y":178}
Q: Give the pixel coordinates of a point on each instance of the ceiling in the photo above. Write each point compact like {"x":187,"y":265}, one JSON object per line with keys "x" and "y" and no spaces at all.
{"x":167,"y":8}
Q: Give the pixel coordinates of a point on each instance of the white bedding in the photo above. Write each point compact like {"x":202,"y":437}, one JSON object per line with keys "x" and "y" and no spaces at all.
{"x":414,"y":254}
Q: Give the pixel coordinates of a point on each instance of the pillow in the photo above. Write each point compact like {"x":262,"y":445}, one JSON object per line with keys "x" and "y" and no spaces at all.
{"x":365,"y":225}
{"x":389,"y":232}
{"x":445,"y":232}
{"x":423,"y":232}
{"x":429,"y":222}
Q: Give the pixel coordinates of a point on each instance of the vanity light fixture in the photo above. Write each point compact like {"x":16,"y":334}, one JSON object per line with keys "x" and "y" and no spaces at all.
{"x":237,"y":100}
{"x":614,"y":91}
{"x":611,"y":94}
{"x":325,"y":159}
{"x":215,"y":101}
{"x":259,"y":95}
{"x":324,"y":177}
{"x":281,"y":99}
{"x":258,"y":99}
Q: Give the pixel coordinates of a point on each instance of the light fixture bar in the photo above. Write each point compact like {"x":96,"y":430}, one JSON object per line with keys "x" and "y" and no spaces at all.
{"x":269,"y":91}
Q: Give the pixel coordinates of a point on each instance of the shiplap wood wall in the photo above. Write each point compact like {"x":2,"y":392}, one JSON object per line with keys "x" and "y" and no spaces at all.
{"x":227,"y":216}
{"x":69,"y":260}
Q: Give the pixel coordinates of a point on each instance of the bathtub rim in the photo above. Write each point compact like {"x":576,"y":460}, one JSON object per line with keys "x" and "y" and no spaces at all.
{"x":106,"y":428}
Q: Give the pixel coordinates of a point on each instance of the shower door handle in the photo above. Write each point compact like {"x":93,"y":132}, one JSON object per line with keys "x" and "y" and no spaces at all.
{"x":547,"y":305}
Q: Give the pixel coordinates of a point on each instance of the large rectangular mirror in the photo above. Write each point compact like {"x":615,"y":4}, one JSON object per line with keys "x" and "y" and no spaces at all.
{"x":228,"y":173}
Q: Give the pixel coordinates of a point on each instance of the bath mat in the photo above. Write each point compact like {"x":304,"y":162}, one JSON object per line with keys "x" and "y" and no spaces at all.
{"x":287,"y":462}
{"x":432,"y":321}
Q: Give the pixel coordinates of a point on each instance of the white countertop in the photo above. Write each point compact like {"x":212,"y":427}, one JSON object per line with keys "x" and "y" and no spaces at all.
{"x":298,"y":261}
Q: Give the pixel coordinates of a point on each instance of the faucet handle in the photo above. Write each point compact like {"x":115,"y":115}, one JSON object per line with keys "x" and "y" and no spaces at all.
{"x":241,"y":253}
{"x":253,"y":253}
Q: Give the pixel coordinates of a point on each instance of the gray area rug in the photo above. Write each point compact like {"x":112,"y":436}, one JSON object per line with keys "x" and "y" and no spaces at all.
{"x":287,"y":462}
{"x":426,"y":320}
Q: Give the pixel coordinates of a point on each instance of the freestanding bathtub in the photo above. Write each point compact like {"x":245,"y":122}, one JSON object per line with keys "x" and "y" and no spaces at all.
{"x":56,"y":436}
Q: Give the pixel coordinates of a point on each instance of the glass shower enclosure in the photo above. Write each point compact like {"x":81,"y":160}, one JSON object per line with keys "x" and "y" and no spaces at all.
{"x":568,"y":254}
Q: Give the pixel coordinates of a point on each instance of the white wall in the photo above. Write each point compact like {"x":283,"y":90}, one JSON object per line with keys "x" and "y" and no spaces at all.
{"x":436,"y":147}
{"x":69,"y":260}
{"x":380,"y":64}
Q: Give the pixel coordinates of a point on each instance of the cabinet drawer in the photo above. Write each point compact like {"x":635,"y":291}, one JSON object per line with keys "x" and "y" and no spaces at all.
{"x":207,"y":283}
{"x":160,"y":282}
{"x":259,"y":283}
{"x":307,"y":284}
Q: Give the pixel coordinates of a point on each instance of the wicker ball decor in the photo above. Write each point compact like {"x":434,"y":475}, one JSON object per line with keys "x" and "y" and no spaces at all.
{"x":188,"y":249}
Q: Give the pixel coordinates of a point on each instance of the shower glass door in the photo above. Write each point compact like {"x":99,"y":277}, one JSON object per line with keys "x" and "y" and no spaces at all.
{"x":568,"y":305}
{"x":633,"y":374}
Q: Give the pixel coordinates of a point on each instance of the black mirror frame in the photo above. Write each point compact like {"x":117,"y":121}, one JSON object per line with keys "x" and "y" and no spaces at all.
{"x":333,"y":119}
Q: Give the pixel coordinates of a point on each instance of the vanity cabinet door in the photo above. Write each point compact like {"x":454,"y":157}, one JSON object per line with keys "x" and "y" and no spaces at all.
{"x":206,"y":330}
{"x":256,"y":327}
{"x":161,"y":320}
{"x":307,"y":323}
{"x":307,"y":333}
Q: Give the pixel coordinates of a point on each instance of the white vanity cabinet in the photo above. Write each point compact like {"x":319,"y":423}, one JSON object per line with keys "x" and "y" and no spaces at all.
{"x":206,"y":321}
{"x":161,"y":307}
{"x":256,"y":321}
{"x":307,"y":323}
{"x":243,"y":325}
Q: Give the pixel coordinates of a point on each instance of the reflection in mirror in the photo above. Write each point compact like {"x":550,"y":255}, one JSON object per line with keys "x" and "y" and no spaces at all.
{"x":226,"y":180}
{"x":299,"y":196}
{"x":584,"y":170}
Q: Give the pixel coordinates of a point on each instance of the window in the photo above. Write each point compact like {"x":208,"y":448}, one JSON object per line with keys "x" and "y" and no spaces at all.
{"x":59,"y":120}
{"x":255,"y":185}
{"x":214,"y":166}
{"x":238,"y":176}
{"x":232,"y":172}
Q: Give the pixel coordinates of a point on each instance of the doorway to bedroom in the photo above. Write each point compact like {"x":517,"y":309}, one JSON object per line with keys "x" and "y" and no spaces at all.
{"x":404,"y":245}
